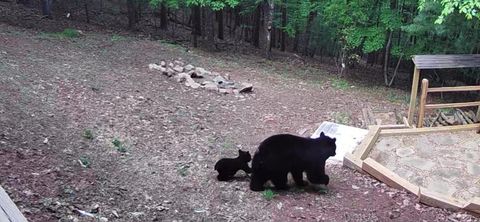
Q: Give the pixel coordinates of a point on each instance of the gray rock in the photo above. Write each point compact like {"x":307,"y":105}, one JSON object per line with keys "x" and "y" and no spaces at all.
{"x":225,"y":91}
{"x":163,"y":63}
{"x":202,"y":71}
{"x":246,"y":88}
{"x":153,"y":66}
{"x":181,"y":77}
{"x":170,"y":65}
{"x":194,"y":74}
{"x":191,"y":83}
{"x":169,"y":72}
{"x":189,"y":67}
{"x":210,"y":86}
{"x":178,"y":68}
{"x":178,"y":62}
{"x":219,"y":79}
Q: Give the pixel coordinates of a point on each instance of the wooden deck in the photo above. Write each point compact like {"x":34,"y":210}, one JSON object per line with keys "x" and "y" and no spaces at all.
{"x":8,"y":210}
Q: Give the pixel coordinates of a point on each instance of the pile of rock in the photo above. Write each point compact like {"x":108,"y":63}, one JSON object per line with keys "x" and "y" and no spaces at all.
{"x":197,"y":77}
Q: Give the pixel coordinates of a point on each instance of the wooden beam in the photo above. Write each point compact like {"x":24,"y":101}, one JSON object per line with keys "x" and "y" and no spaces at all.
{"x":452,"y":105}
{"x":352,"y":162}
{"x":423,"y":101}
{"x":367,"y":143}
{"x":438,"y":200}
{"x":474,"y":205}
{"x":413,"y":95}
{"x":411,"y":131}
{"x":9,"y":208}
{"x":405,"y":121}
{"x":454,"y":89}
{"x":393,"y":126}
{"x":385,"y":175}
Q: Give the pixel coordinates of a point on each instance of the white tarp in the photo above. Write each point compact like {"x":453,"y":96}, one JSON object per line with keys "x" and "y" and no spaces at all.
{"x":347,"y":138}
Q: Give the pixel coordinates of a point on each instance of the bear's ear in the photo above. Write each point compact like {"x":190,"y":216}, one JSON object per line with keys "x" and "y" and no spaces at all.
{"x":334,"y":139}
{"x":322,"y":135}
{"x":240,"y":151}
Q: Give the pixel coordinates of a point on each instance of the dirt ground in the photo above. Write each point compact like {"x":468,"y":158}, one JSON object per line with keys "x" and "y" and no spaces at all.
{"x":53,"y":90}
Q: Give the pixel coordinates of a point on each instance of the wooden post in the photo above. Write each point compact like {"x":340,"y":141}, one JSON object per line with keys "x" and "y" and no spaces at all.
{"x":413,"y":95}
{"x":423,"y":101}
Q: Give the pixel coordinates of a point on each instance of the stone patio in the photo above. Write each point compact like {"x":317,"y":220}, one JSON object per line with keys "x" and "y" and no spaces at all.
{"x":446,"y":162}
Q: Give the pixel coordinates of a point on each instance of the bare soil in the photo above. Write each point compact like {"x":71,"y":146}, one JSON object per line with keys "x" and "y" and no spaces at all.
{"x":54,"y":89}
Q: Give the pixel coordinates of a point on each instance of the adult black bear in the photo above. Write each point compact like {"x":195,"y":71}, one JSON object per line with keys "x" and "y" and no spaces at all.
{"x":280,"y":154}
{"x":227,"y":167}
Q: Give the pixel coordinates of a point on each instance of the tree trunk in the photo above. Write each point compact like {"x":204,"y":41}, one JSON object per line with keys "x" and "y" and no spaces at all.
{"x":86,"y":11}
{"x":220,"y":24}
{"x":47,"y":7}
{"x":308,"y":31}
{"x":210,"y":28}
{"x":256,"y":30}
{"x":269,"y":7}
{"x":163,"y":17}
{"x":387,"y":56}
{"x":295,"y":42}
{"x":284,"y":24}
{"x":131,"y":13}
{"x":273,"y":37}
{"x":196,"y":30}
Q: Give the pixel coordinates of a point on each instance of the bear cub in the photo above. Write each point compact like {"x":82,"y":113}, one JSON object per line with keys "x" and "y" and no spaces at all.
{"x":227,"y":167}
{"x":281,"y":154}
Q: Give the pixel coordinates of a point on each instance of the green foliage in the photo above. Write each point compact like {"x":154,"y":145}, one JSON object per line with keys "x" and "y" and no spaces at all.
{"x":469,"y":8}
{"x":66,"y":33}
{"x":69,"y":33}
{"x":395,"y":97}
{"x":341,"y":84}
{"x":116,"y":143}
{"x":85,"y":161}
{"x":172,"y":4}
{"x":116,"y":38}
{"x":87,"y":134}
{"x":268,"y":194}
{"x":183,"y":170}
{"x":342,"y":118}
{"x":119,"y":146}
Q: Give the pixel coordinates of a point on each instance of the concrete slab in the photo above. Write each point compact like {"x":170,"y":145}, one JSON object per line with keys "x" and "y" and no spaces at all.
{"x":347,"y":138}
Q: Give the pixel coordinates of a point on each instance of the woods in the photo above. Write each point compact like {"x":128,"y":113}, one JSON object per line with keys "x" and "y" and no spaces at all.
{"x":376,"y":32}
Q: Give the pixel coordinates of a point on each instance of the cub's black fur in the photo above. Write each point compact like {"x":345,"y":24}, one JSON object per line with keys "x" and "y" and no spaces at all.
{"x":280,"y":154}
{"x":227,"y":167}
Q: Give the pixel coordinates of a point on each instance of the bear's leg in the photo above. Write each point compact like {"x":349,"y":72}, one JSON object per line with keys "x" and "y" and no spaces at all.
{"x":257,"y":181}
{"x":246,"y":168}
{"x":298,"y":177}
{"x":224,"y":177}
{"x":324,"y":179}
{"x":280,"y":181}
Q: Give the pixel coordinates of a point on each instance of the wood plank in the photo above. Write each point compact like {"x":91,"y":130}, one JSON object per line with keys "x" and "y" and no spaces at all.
{"x":388,"y":177}
{"x":446,"y":61}
{"x":452,"y":105}
{"x":423,"y":101}
{"x":352,"y":162}
{"x":474,"y":205}
{"x":438,"y":200}
{"x":454,"y":89}
{"x":412,"y":131}
{"x":393,"y":126}
{"x":405,"y":121}
{"x":413,"y":96}
{"x":9,"y":208}
{"x":362,"y":150}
